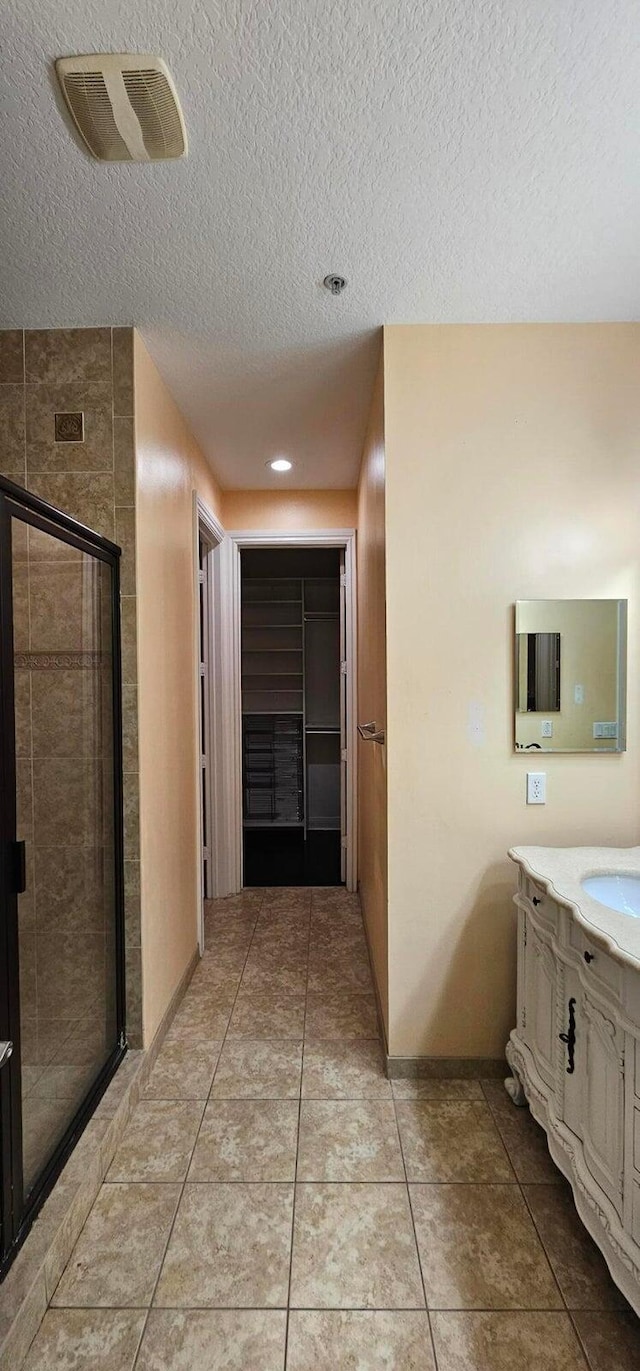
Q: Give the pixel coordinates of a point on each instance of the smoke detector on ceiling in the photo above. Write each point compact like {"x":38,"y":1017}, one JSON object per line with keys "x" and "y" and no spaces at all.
{"x":124,"y":105}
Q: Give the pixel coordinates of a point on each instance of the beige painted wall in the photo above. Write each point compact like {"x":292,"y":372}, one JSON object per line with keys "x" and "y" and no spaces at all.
{"x":288,"y":510}
{"x":512,"y":473}
{"x":169,"y":467}
{"x":372,"y":705}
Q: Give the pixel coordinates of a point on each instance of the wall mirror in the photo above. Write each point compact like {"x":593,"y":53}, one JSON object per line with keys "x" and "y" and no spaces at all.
{"x":570,"y":675}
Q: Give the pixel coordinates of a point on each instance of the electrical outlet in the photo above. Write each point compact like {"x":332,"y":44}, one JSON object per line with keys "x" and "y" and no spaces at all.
{"x":536,"y":787}
{"x":546,"y":729}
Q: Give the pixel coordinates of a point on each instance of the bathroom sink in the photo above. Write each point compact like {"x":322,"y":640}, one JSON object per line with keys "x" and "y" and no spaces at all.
{"x":615,"y":892}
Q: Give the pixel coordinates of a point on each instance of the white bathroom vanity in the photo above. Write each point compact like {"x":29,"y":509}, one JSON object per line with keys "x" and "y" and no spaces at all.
{"x":575,"y":1050}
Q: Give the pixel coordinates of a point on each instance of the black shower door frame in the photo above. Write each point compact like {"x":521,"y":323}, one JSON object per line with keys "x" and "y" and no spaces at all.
{"x":16,"y":1216}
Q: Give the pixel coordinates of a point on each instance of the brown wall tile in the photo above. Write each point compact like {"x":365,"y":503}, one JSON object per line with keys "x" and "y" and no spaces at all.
{"x":132,"y":903}
{"x":68,"y":354}
{"x":43,"y":402}
{"x":20,"y":606}
{"x":86,"y":496}
{"x":123,"y":371}
{"x":131,"y":816}
{"x":64,"y":714}
{"x":126,"y":539}
{"x":66,"y":803}
{"x":123,"y":455}
{"x":12,"y":431}
{"x":72,"y":888}
{"x":56,"y":594}
{"x":22,"y":695}
{"x":134,"y":996}
{"x":129,"y":639}
{"x":11,"y":355}
{"x":130,"y":727}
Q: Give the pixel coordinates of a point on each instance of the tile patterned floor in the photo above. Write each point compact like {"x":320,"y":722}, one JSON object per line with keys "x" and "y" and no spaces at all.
{"x":276,"y":1202}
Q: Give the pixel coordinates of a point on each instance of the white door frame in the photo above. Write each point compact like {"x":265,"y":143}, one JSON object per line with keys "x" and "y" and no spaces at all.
{"x":230,"y":759}
{"x":205,"y":523}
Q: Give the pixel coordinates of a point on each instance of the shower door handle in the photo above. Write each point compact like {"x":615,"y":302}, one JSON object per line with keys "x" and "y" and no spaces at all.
{"x":19,"y":854}
{"x":5,"y":1052}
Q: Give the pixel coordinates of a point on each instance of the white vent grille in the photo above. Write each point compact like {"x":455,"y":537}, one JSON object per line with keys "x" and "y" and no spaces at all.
{"x":124,"y":106}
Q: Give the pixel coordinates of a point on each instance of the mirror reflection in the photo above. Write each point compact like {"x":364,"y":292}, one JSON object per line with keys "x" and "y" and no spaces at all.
{"x":570,"y":675}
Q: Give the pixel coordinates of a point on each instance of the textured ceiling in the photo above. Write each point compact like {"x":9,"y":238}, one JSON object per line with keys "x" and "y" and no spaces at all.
{"x":460,"y":160}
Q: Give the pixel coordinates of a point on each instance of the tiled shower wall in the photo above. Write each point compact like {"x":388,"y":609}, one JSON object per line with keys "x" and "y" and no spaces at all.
{"x":44,"y":372}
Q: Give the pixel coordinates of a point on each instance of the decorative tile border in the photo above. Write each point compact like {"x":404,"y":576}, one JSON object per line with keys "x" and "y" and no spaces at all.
{"x":62,"y":661}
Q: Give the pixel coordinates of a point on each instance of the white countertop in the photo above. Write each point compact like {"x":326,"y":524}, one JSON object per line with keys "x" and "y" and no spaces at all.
{"x":560,"y":870}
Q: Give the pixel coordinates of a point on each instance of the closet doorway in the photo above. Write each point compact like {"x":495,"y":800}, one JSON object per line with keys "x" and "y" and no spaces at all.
{"x":292,"y":606}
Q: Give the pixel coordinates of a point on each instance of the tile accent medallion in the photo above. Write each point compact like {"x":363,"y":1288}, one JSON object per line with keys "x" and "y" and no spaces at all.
{"x":47,"y":378}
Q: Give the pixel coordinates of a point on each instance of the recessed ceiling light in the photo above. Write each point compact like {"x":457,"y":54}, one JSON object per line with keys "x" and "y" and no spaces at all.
{"x":280,"y":464}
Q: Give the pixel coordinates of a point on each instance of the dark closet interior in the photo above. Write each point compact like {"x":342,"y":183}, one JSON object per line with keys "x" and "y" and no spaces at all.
{"x":291,"y":716}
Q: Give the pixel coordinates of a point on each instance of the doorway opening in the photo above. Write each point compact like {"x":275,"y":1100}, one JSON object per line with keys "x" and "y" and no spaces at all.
{"x":293,"y":716}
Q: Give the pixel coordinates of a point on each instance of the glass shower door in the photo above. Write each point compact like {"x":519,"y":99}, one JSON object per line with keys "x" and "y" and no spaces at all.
{"x":62,"y":998}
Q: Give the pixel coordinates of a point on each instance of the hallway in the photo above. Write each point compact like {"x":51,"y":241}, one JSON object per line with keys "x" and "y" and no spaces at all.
{"x":276,"y":1201}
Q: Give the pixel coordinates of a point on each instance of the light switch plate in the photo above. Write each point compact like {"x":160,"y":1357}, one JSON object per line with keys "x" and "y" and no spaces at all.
{"x":546,"y":729}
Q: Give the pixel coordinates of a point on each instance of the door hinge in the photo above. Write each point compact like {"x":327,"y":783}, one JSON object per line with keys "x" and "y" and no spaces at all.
{"x":343,"y":579}
{"x":201,"y":577}
{"x":343,"y":754}
{"x":343,"y":841}
{"x":343,"y":668}
{"x":202,"y":668}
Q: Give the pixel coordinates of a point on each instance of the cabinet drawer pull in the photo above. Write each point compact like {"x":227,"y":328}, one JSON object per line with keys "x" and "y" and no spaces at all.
{"x":535,"y":900}
{"x":589,"y":956}
{"x":570,"y":1037}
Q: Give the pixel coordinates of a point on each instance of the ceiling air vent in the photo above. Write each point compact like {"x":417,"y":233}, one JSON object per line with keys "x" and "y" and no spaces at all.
{"x":124,"y":105}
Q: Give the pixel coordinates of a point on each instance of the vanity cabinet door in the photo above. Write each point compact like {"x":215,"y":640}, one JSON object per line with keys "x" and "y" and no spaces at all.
{"x":540,"y":980}
{"x":601,"y":1043}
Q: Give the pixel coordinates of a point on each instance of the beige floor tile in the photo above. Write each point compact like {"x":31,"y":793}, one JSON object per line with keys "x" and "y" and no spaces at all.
{"x":230,"y":1246}
{"x":282,"y":979}
{"x":340,"y":1014}
{"x":202,"y":1017}
{"x":267,"y":1069}
{"x":158,"y":1142}
{"x":433,"y":1089}
{"x":229,"y":960}
{"x":479,"y":1249}
{"x":246,"y":902}
{"x":209,"y":975}
{"x":349,"y":1070}
{"x":376,"y":1340}
{"x":579,"y":1266}
{"x":86,"y":1340}
{"x":611,"y":1341}
{"x":335,"y":941}
{"x":117,"y":1257}
{"x":183,"y":1070}
{"x":354,"y":1247}
{"x":349,"y":1140}
{"x":524,"y":1139}
{"x":451,"y":1140}
{"x":281,"y":939}
{"x":506,"y":1341}
{"x":334,"y":898}
{"x":338,"y":971}
{"x":294,"y":899}
{"x":214,"y":1340}
{"x":219,"y":931}
{"x":267,"y":1014}
{"x":247,"y":1140}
